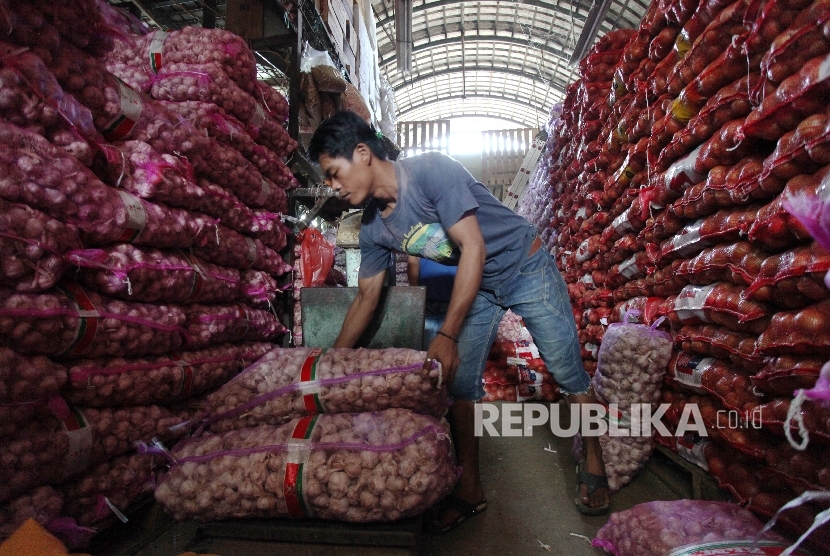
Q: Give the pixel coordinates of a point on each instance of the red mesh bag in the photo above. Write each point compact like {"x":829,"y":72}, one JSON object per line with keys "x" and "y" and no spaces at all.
{"x":798,"y":96}
{"x":722,"y":343}
{"x":727,"y":186}
{"x":775,"y":228}
{"x":717,"y":378}
{"x":810,"y":467}
{"x":714,"y":39}
{"x":725,"y":226}
{"x":738,"y":263}
{"x":769,"y":19}
{"x":816,"y":418}
{"x":793,"y":278}
{"x":729,"y":103}
{"x":719,"y":303}
{"x":801,"y":331}
{"x":801,"y":151}
{"x":803,"y":40}
{"x":785,"y":374}
{"x":666,"y":281}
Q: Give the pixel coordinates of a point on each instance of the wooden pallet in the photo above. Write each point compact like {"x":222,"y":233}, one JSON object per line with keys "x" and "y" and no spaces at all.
{"x":684,"y":478}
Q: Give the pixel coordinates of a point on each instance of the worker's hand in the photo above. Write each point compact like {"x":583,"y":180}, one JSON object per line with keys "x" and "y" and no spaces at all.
{"x":445,"y":351}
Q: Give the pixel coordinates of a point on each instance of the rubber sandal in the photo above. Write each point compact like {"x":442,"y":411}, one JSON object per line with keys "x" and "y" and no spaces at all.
{"x":464,"y":509}
{"x":593,"y":482}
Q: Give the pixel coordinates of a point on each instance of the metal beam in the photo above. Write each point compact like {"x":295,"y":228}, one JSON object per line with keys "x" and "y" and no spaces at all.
{"x":552,"y":6}
{"x":457,"y":69}
{"x":505,"y":98}
{"x":523,"y":123}
{"x":483,"y":38}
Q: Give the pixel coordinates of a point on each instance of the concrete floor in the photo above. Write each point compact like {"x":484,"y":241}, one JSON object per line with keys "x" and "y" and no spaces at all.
{"x":530,"y":496}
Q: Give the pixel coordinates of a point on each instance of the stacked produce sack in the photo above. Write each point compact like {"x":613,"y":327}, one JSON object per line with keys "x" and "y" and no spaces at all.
{"x":514,"y":370}
{"x":345,"y":434}
{"x":671,"y":169}
{"x":120,"y":291}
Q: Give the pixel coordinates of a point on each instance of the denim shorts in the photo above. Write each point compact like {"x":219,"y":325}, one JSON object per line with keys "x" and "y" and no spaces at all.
{"x":537,"y":294}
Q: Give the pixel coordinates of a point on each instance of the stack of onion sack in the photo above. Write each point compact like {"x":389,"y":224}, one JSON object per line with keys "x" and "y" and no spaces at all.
{"x":632,"y":361}
{"x":293,"y":382}
{"x":658,"y":528}
{"x":364,"y":467}
{"x":514,"y":371}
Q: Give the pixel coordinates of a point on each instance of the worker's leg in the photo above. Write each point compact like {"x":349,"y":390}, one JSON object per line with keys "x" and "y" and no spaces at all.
{"x":539,"y":295}
{"x":474,"y":342}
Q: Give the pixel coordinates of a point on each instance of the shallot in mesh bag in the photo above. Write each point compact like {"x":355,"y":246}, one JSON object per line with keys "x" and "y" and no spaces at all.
{"x":109,"y":487}
{"x":157,"y":380}
{"x":42,"y":504}
{"x":658,"y":528}
{"x":234,"y":250}
{"x":360,"y":467}
{"x":160,"y":177}
{"x":197,"y":45}
{"x":53,"y":449}
{"x":292,"y":382}
{"x":208,"y":82}
{"x":154,"y":275}
{"x":211,"y":324}
{"x":27,"y":385}
{"x":69,"y":322}
{"x":32,"y":247}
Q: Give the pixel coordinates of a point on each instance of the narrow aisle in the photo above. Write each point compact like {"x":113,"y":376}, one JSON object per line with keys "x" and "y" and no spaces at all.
{"x":530,"y":494}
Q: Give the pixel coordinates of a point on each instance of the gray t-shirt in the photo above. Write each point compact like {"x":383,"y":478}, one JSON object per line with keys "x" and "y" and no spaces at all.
{"x":434,"y":192}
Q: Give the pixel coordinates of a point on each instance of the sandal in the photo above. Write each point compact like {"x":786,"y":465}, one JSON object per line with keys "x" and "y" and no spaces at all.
{"x":593,"y":482}
{"x":465,"y":510}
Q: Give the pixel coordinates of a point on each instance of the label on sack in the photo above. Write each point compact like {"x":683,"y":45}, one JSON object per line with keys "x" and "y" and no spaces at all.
{"x":583,"y":252}
{"x":731,"y":548}
{"x":264,"y":193}
{"x":186,"y":378}
{"x":692,"y":450}
{"x":125,"y":121}
{"x":526,"y":392}
{"x":297,"y":453}
{"x":244,"y":319}
{"x":531,"y":377}
{"x":251,"y":254}
{"x":259,"y":117}
{"x":88,"y":318}
{"x":682,"y":174}
{"x":593,"y":349}
{"x":155,"y":49}
{"x":622,"y":224}
{"x":79,"y":436}
{"x":620,"y":419}
{"x":688,"y":370}
{"x":308,"y":377}
{"x":691,"y":302}
{"x":629,"y":268}
{"x":688,"y":241}
{"x":199,"y":277}
{"x":136,"y":217}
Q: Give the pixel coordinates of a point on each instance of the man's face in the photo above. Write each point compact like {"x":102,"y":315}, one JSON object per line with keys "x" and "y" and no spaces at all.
{"x":350,"y":179}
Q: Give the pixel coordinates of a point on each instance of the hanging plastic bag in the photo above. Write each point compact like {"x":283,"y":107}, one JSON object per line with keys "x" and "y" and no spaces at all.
{"x":316,"y":257}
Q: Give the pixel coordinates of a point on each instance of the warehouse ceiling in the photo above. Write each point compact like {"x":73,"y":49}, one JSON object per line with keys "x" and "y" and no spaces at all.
{"x":501,"y":59}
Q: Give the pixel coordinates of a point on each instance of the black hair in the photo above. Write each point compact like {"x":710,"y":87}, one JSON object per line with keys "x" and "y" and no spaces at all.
{"x":339,"y":135}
